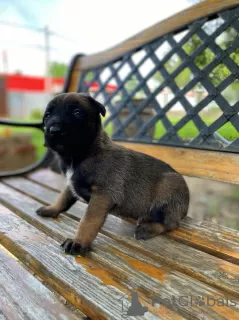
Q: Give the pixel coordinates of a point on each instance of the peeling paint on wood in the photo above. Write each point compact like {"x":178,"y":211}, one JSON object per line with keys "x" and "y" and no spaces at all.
{"x":24,"y":297}
{"x":164,"y":266}
{"x":44,"y":256}
{"x":179,"y":256}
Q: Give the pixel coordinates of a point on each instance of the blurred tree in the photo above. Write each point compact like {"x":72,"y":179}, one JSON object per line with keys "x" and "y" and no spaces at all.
{"x":131,"y":85}
{"x":219,"y":73}
{"x":89,"y":76}
{"x":204,"y":58}
{"x":57,"y":69}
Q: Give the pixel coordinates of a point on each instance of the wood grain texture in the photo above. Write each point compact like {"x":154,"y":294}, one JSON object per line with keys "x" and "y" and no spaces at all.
{"x":212,"y":270}
{"x":74,"y":76}
{"x":214,"y":165}
{"x":62,"y":272}
{"x":124,"y":269}
{"x":102,"y":274}
{"x":24,"y":297}
{"x":174,"y":282}
{"x":176,"y":22}
{"x":208,"y":237}
{"x":48,"y":178}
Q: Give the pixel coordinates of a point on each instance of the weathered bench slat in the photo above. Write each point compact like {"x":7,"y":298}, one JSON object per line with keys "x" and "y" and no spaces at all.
{"x":137,"y":270}
{"x":173,"y":282}
{"x":60,"y":231}
{"x":217,"y":240}
{"x":48,"y":178}
{"x":214,"y":271}
{"x":156,"y":280}
{"x":197,"y":163}
{"x":62,"y":272}
{"x":200,"y":163}
{"x":221,"y":242}
{"x":24,"y":297}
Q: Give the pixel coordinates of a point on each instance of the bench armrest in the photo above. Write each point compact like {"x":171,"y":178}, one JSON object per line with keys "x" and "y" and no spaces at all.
{"x":47,"y":161}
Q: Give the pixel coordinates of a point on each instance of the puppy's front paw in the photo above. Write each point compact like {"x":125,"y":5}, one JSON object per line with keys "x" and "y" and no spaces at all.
{"x":46,"y":212}
{"x":74,"y":247}
{"x":142,"y":232}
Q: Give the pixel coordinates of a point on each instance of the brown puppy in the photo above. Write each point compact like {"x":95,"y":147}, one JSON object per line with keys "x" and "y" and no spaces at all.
{"x":111,"y":178}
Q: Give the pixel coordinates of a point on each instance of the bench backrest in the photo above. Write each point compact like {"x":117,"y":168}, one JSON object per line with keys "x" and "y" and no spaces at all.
{"x":172,"y":91}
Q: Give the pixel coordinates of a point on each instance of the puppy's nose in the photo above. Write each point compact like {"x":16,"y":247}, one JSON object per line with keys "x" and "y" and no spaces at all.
{"x":55,"y":130}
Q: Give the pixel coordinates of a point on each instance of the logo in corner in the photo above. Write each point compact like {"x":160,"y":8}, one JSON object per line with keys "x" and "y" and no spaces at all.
{"x":133,"y":307}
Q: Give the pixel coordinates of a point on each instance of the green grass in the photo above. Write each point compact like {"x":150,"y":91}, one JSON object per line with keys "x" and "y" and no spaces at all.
{"x":109,"y":128}
{"x":189,"y":131}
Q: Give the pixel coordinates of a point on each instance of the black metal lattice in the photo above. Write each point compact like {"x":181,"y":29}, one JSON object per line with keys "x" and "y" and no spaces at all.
{"x":180,"y":89}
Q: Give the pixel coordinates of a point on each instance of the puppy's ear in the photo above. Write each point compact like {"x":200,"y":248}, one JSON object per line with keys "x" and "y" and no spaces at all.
{"x":101,"y":109}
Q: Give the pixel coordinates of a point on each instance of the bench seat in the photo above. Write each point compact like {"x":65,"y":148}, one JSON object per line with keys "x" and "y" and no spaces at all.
{"x":198,"y":260}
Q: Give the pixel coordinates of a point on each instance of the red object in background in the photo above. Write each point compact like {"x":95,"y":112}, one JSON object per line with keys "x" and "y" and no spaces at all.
{"x":20,"y":93}
{"x":28,"y":83}
{"x":95,"y":87}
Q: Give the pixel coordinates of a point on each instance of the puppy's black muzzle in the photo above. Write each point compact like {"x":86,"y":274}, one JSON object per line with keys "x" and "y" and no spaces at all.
{"x":54,"y":136}
{"x":55,"y":130}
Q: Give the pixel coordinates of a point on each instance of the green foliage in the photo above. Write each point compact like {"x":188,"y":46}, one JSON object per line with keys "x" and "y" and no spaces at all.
{"x":228,"y":36}
{"x":158,"y":77}
{"x":89,"y":76}
{"x":219,"y":74}
{"x":192,"y":44}
{"x":57,"y":69}
{"x":188,"y":131}
{"x":235,"y":56}
{"x":183,"y":78}
{"x":36,"y":114}
{"x":131,"y":84}
{"x":203,"y":59}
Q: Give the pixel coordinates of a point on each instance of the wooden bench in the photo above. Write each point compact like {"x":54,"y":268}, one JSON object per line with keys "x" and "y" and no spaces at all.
{"x":189,"y":273}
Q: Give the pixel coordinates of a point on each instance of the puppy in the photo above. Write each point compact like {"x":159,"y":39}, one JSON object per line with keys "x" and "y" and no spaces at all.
{"x":112,"y":179}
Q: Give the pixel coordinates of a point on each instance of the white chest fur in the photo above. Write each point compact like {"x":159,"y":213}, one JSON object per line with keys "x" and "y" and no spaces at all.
{"x":69,"y":174}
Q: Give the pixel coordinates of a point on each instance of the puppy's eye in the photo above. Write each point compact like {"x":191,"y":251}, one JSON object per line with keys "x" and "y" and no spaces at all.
{"x":47,"y":115}
{"x":77,"y":113}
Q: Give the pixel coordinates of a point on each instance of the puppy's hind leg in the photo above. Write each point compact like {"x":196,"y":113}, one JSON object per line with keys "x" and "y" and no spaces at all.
{"x":147,"y":230}
{"x":64,"y":201}
{"x":156,"y":223}
{"x":170,"y":206}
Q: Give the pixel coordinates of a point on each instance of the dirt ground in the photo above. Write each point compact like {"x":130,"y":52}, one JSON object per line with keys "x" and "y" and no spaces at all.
{"x":214,"y":201}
